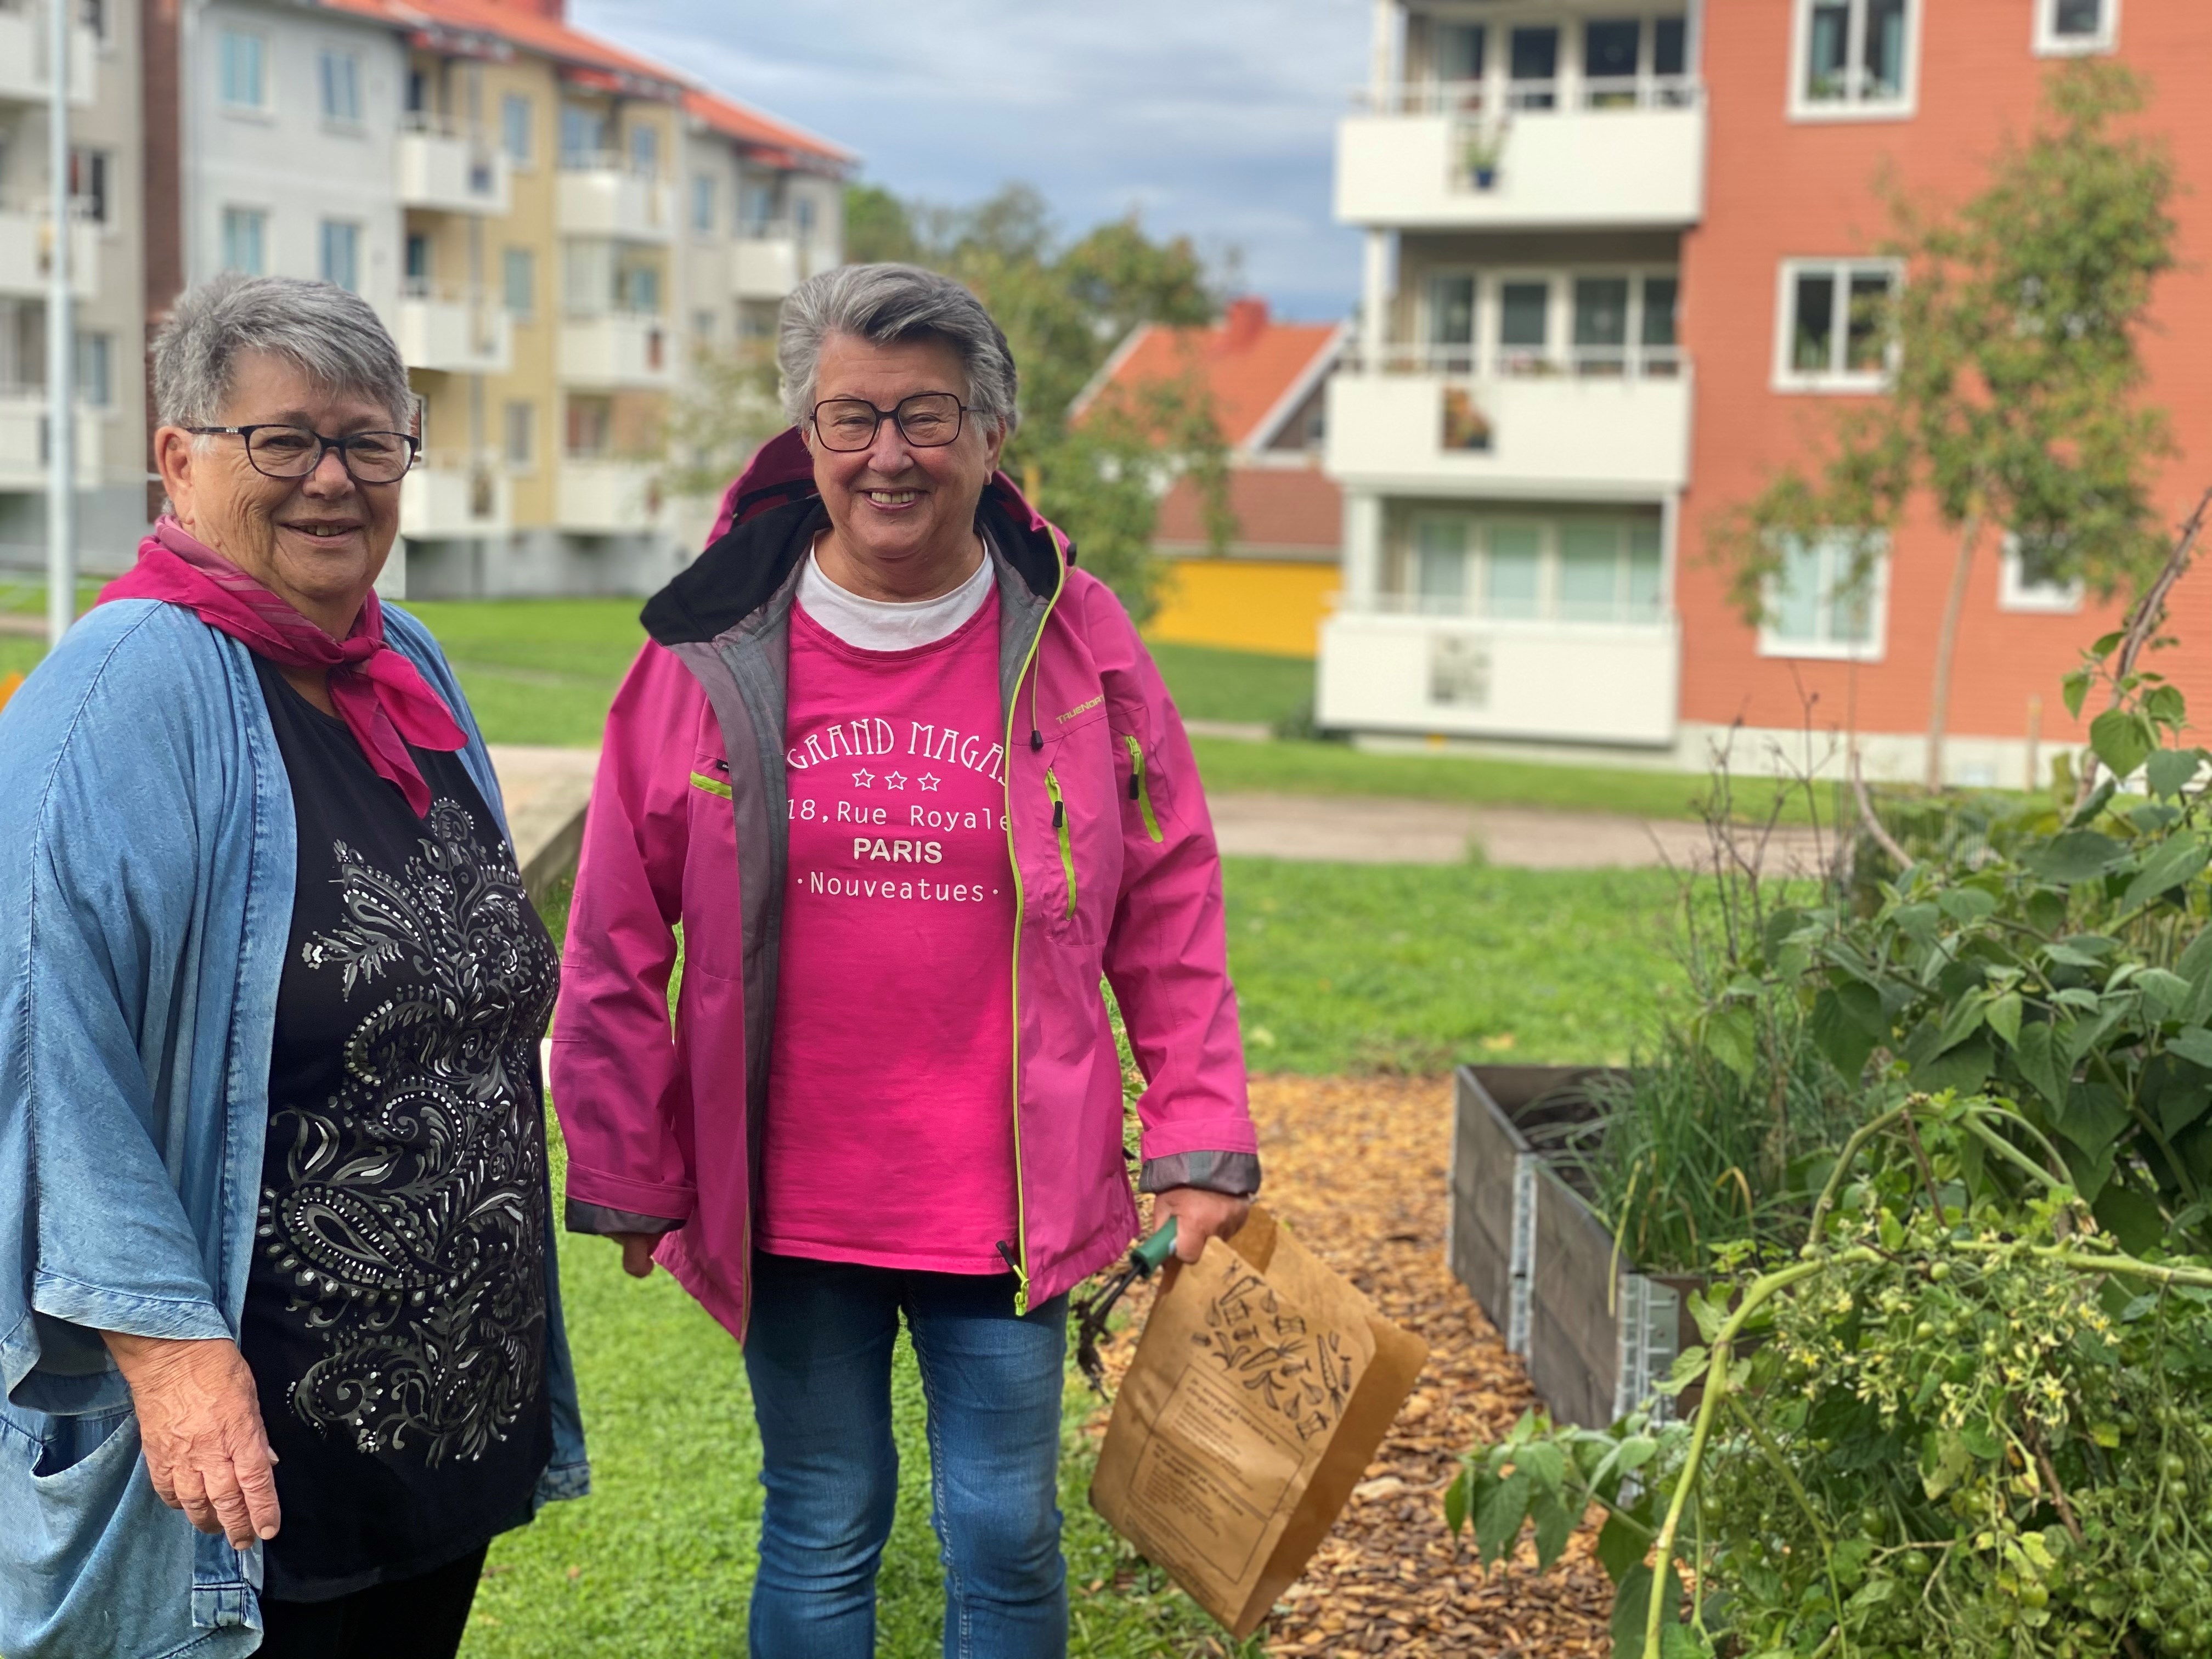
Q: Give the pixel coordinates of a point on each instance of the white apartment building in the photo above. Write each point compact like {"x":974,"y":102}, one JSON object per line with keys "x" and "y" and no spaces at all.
{"x":1511,"y":430}
{"x":760,"y":215}
{"x":106,"y":280}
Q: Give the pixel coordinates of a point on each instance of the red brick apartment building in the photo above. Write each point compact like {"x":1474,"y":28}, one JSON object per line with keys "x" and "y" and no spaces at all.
{"x":1609,"y":253}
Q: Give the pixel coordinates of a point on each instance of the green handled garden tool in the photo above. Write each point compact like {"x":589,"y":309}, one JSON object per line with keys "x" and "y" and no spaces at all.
{"x":1091,"y":1311}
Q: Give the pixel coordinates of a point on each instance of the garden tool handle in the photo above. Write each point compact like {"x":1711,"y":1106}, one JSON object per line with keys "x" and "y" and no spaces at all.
{"x":1154,"y":1251}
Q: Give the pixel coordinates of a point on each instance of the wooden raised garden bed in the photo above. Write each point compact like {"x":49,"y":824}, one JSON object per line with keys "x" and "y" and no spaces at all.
{"x":1595,"y":1331}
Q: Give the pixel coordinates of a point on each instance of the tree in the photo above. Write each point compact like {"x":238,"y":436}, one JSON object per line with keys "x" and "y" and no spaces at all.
{"x":2013,"y":403}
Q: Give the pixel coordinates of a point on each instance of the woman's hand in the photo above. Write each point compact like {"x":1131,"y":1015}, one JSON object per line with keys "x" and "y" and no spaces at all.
{"x":637,"y":1252}
{"x":1199,"y":1215}
{"x":199,"y":1420}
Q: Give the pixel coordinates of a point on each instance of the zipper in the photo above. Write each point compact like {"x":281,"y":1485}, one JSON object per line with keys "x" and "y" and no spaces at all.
{"x":712,"y":786}
{"x":1019,"y":1260}
{"x":1060,"y":831}
{"x":1138,"y":792}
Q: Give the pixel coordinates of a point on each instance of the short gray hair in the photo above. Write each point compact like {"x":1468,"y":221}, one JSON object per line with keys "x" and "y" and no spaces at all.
{"x":885,"y":303}
{"x":331,"y":335}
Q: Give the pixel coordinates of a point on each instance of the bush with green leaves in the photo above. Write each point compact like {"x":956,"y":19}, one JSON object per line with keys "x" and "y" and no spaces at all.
{"x":1962,"y":1421}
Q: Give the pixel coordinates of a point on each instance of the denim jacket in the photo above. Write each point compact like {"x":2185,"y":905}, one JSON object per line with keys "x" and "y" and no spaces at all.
{"x":147,"y":861}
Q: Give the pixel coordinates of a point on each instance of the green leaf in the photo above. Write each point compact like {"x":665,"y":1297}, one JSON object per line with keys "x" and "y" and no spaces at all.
{"x":2165,"y":994}
{"x":1710,"y":1316}
{"x":2131,"y":1218}
{"x":2124,"y":739}
{"x":2075,"y":855}
{"x":1542,"y":1461}
{"x":1963,"y":1068}
{"x":1499,"y":1510}
{"x":2039,"y":1064}
{"x":2088,"y":810}
{"x":2169,"y":867}
{"x":2094,"y":1118}
{"x":2170,"y":771}
{"x":1680,"y":1641}
{"x":1620,"y":1547}
{"x":1455,"y":1500}
{"x":2105,"y":645}
{"x":1630,"y":1602}
{"x":2005,"y":1016}
{"x":1847,"y":1022}
{"x":1731,"y":1037}
{"x":2075,"y":688}
{"x":2193,"y":1045}
{"x":2165,"y":705}
{"x":1944,"y":1461}
{"x":1967,"y":903}
{"x":1554,"y":1525}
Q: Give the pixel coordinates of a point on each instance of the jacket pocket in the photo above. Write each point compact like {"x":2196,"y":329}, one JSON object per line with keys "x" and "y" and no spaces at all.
{"x":1140,"y":791}
{"x":1062,"y":837}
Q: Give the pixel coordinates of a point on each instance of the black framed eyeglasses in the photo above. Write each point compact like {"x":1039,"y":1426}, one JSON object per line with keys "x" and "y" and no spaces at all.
{"x":928,"y":420}
{"x":279,"y":450}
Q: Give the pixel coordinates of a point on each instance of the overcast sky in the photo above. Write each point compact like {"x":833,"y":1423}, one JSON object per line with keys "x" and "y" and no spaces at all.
{"x":1214,"y":118}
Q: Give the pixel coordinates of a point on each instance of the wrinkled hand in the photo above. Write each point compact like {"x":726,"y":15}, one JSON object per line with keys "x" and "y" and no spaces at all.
{"x":200,"y":1423}
{"x":1199,"y":1215}
{"x":637,"y":1252}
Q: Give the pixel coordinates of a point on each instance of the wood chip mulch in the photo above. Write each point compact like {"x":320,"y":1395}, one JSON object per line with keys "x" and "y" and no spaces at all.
{"x":1359,"y":1167}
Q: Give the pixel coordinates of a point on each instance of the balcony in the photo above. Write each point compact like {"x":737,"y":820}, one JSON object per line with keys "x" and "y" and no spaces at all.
{"x":23,"y":57}
{"x":448,"y":496}
{"x":617,"y":350}
{"x":599,"y":196}
{"x":771,"y":259}
{"x":26,"y":249}
{"x":598,"y":496}
{"x":1466,"y":156}
{"x":1383,"y":670}
{"x":448,"y":330}
{"x":1615,"y":429}
{"x":442,"y":172}
{"x":23,"y":462}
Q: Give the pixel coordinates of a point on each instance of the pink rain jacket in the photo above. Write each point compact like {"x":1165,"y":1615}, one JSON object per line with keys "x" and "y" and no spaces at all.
{"x":688,"y":826}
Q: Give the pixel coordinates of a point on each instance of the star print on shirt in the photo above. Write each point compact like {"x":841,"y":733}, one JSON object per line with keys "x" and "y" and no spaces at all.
{"x":929,"y":780}
{"x":864,"y":779}
{"x":894,"y":780}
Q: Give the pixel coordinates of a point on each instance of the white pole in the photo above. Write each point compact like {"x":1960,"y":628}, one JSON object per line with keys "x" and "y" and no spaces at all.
{"x":61,"y":346}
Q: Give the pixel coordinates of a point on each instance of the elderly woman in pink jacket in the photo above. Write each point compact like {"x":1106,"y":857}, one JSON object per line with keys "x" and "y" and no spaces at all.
{"x":908,"y":783}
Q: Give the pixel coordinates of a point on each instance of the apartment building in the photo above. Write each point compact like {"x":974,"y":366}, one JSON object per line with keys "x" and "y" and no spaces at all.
{"x":105,"y":189}
{"x":509,"y":192}
{"x":1612,"y":253}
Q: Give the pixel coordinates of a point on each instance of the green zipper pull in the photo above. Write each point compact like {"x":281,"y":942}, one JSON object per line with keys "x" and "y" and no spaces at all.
{"x":1137,"y":791}
{"x":1060,"y":831}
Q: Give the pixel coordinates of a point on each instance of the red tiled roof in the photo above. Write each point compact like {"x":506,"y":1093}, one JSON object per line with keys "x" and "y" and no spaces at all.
{"x":1248,"y":362}
{"x":750,"y":126}
{"x":1288,"y":507}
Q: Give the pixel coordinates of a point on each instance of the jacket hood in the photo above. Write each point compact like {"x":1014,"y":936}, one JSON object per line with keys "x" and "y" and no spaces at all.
{"x":770,"y":515}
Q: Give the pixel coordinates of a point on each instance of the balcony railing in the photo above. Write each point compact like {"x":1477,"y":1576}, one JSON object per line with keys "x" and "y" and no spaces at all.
{"x":1491,"y":95}
{"x":27,"y":248}
{"x":1594,"y":362}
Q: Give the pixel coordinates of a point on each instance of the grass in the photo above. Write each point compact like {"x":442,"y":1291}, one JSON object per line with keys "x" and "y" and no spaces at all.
{"x":537,"y":671}
{"x":1246,"y":686}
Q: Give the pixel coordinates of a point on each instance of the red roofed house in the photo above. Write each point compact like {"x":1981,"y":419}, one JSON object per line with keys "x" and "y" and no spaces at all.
{"x":1272,"y":588}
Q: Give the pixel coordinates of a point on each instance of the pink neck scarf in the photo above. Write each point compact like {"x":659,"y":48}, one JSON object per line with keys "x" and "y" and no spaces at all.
{"x":383,"y":699}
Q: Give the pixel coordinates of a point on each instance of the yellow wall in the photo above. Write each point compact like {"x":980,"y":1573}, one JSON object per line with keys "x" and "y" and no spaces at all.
{"x":1246,"y":605}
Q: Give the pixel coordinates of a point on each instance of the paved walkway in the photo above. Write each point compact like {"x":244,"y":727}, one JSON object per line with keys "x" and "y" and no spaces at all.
{"x":546,"y":789}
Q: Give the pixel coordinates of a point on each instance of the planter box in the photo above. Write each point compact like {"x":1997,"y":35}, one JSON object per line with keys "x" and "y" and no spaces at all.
{"x":1597,"y":1333}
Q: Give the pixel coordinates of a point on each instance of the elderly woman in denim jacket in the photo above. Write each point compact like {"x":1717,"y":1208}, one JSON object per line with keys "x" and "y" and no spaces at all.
{"x":909,"y":784}
{"x":273,"y":1198}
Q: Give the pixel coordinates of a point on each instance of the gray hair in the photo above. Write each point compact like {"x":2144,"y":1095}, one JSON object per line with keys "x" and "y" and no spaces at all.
{"x":331,"y":335}
{"x":885,"y":303}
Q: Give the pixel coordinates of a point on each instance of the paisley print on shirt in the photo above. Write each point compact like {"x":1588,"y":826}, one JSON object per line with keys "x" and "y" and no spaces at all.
{"x":411,"y":1224}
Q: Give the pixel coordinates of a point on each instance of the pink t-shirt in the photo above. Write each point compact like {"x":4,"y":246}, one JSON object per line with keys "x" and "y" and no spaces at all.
{"x":889,"y":1134}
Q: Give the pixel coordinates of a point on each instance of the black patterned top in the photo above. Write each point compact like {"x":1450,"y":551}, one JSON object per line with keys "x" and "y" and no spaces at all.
{"x":395,"y":1310}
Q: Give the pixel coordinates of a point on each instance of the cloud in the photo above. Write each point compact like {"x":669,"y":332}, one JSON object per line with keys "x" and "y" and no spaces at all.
{"x":1215,"y":119}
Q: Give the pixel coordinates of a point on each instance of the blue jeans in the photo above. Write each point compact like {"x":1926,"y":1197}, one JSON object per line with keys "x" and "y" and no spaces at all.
{"x":818,"y":1352}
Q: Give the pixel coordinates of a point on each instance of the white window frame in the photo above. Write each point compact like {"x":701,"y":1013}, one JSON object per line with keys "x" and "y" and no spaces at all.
{"x":1870,"y":650}
{"x":357,"y":234}
{"x":522,"y":465}
{"x":222,"y":234}
{"x":1479,"y":526}
{"x":327,"y":52}
{"x":1900,"y":108}
{"x":509,"y":101}
{"x":2019,"y":597}
{"x":263,"y":109}
{"x":2048,"y":43}
{"x":700,"y":210}
{"x":1485,"y":353}
{"x":1787,"y":376}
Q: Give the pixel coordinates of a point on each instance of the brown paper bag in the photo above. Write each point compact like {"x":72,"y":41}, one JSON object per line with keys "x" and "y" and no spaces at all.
{"x":1261,"y":1387}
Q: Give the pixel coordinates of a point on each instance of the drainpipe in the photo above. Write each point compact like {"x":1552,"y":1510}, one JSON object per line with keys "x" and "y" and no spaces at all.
{"x":61,"y":346}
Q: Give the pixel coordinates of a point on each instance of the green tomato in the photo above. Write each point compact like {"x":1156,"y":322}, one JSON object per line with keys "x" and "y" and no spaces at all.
{"x":2034,"y":1594}
{"x":2173,"y":1465}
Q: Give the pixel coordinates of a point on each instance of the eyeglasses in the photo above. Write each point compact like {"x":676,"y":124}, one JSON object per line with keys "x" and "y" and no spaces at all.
{"x":928,"y":420}
{"x":280,"y":451}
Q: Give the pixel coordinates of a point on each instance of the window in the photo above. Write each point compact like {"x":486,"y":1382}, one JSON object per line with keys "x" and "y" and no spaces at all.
{"x":1854,"y":58}
{"x":1524,"y":326}
{"x":245,"y":236}
{"x":803,"y":216}
{"x":1835,"y":324}
{"x":522,"y":435}
{"x":337,"y":74}
{"x":518,"y":280}
{"x":703,"y":325}
{"x":702,"y":203}
{"x":583,"y":136}
{"x":93,"y":14}
{"x":515,"y":129}
{"x":89,"y":179}
{"x":418,"y":261}
{"x":757,"y":207}
{"x":591,"y":427}
{"x":2066,"y":27}
{"x":1611,"y":51}
{"x":1656,"y":334}
{"x":1576,"y":568}
{"x":2028,"y":578}
{"x":1451,"y":320}
{"x":637,"y":289}
{"x":1602,"y":326}
{"x":1814,"y":607}
{"x":341,"y":252}
{"x":645,"y":151}
{"x":243,"y":61}
{"x":95,"y":383}
{"x":1533,"y":62}
{"x":1459,"y":50}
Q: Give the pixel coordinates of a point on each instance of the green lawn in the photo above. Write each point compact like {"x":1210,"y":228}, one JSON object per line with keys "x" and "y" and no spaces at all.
{"x":1246,"y":686}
